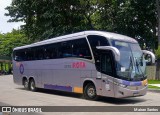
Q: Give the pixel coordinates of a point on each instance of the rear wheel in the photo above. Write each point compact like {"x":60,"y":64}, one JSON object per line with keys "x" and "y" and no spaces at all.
{"x":32,"y":85}
{"x":90,"y":92}
{"x":25,"y":83}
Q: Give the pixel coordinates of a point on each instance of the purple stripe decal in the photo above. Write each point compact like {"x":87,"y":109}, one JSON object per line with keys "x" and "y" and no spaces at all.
{"x":56,"y":87}
{"x":138,"y":83}
{"x":128,"y":83}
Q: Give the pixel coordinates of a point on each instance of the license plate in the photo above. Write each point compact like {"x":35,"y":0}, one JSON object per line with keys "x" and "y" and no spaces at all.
{"x":135,"y":93}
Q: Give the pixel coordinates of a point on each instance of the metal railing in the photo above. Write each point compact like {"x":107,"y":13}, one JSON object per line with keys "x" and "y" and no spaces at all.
{"x":5,"y":58}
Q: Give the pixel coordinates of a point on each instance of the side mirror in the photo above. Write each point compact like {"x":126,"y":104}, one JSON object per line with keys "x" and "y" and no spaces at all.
{"x":115,"y":51}
{"x":149,"y":56}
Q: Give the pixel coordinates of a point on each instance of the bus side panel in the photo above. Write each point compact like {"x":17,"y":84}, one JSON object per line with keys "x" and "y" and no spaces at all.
{"x":65,"y":78}
{"x":68,"y":74}
{"x":107,"y":85}
{"x":32,"y":69}
{"x":89,"y":73}
{"x":59,"y":74}
{"x":47,"y":76}
{"x":98,"y":82}
{"x":38,"y":78}
{"x":44,"y":72}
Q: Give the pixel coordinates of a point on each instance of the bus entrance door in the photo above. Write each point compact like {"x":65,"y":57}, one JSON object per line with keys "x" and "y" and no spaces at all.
{"x":106,"y":62}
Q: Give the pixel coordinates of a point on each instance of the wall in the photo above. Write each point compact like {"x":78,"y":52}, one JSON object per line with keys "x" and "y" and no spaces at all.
{"x":151,"y":72}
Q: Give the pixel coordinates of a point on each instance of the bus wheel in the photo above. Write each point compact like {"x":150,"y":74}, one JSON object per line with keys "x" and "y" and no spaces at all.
{"x":32,"y":85}
{"x":90,"y":92}
{"x":25,"y":83}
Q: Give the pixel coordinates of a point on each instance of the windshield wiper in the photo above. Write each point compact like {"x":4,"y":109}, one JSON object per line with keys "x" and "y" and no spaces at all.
{"x":139,"y":68}
{"x":130,"y":64}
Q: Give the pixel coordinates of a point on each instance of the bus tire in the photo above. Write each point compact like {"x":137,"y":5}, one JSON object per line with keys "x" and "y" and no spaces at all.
{"x":90,"y":92}
{"x":25,"y":84}
{"x":32,"y":85}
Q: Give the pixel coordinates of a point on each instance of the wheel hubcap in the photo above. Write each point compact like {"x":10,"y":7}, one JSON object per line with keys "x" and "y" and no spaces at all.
{"x":91,"y":92}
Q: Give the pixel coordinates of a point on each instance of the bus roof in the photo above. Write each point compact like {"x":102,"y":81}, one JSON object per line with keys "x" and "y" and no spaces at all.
{"x":108,"y":35}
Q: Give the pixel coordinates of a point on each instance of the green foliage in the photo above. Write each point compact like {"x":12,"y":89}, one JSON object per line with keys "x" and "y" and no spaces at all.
{"x":11,"y":40}
{"x":153,"y":81}
{"x":48,"y":18}
{"x":157,"y":52}
{"x":130,"y":17}
{"x":153,"y":87}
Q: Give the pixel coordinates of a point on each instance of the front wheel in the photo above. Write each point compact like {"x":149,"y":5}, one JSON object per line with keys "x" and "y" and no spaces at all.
{"x":90,"y":92}
{"x":32,"y":85}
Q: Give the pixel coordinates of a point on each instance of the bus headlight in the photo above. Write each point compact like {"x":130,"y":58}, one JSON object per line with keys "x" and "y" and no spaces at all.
{"x":119,"y":84}
{"x":122,"y":85}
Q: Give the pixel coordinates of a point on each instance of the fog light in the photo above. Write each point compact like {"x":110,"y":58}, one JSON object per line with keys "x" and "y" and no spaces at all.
{"x":121,"y":92}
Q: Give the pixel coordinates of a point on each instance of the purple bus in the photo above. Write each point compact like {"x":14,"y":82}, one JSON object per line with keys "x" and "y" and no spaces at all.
{"x":94,"y":63}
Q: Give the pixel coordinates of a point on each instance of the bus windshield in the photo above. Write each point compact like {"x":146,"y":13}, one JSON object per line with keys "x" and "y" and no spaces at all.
{"x":132,"y":63}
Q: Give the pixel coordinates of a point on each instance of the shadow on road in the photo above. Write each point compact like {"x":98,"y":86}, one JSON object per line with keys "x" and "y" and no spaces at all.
{"x":116,"y":101}
{"x":121,"y":101}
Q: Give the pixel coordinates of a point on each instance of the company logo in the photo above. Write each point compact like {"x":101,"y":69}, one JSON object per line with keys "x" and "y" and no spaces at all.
{"x":21,"y":109}
{"x":6,"y":109}
{"x":78,"y":65}
{"x":21,"y":68}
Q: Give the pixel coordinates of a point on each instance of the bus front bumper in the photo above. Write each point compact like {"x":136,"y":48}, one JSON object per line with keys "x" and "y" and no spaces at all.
{"x":133,"y":91}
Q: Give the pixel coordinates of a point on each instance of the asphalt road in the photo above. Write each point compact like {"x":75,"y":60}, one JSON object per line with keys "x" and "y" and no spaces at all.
{"x":14,"y":95}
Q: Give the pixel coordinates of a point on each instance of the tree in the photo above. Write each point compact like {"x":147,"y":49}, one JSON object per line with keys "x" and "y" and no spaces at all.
{"x":134,"y":18}
{"x":11,"y":40}
{"x":49,"y":18}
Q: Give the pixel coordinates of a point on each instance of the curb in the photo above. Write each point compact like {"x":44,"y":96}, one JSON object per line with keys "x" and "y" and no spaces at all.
{"x":154,"y":90}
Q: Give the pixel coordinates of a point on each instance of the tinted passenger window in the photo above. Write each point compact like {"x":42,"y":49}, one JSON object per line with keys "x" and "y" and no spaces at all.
{"x":81,"y":49}
{"x":19,"y":55}
{"x":73,"y":48}
{"x":106,"y":63}
{"x":29,"y":54}
{"x":66,"y":49}
{"x":49,"y":52}
{"x":95,"y":40}
{"x":39,"y":53}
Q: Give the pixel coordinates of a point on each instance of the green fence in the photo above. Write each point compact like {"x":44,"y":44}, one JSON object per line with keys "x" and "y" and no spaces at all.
{"x":5,"y":65}
{"x":5,"y":58}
